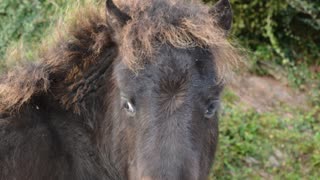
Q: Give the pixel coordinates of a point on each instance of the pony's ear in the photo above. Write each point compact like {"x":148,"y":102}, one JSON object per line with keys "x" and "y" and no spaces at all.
{"x":115,"y":15}
{"x":222,"y":12}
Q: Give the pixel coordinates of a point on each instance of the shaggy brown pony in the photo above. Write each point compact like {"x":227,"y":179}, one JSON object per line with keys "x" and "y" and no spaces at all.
{"x":128,"y":93}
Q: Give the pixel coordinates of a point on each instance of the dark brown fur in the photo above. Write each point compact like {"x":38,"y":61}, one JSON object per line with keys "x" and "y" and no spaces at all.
{"x":58,"y":116}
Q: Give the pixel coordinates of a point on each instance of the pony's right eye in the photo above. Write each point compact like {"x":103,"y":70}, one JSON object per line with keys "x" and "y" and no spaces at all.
{"x":129,"y":107}
{"x":211,"y":109}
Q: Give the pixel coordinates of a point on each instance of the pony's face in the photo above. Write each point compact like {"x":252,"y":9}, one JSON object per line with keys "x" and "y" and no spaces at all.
{"x":169,"y":114}
{"x":167,"y":121}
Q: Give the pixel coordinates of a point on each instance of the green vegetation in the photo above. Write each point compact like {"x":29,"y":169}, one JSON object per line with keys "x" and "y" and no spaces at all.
{"x":283,"y":38}
{"x":274,"y":145}
{"x":23,"y":23}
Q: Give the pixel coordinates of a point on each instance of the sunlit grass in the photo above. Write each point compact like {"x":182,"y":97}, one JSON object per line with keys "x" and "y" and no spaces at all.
{"x":26,"y":24}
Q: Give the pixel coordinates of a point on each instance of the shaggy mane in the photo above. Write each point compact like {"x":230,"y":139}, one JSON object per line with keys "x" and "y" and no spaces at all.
{"x":183,"y":24}
{"x":69,"y":66}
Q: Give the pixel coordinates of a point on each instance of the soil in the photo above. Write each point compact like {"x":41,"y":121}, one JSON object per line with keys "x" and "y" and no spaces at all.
{"x":265,"y":94}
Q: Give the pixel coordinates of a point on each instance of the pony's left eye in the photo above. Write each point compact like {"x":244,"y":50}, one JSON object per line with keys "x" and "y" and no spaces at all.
{"x":129,"y":107}
{"x":211,"y":109}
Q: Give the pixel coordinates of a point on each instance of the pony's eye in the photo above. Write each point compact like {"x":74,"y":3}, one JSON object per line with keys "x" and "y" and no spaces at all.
{"x":211,"y":109}
{"x":129,"y":107}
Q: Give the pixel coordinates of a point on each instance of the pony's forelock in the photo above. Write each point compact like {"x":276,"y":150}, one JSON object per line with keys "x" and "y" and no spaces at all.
{"x":180,"y":23}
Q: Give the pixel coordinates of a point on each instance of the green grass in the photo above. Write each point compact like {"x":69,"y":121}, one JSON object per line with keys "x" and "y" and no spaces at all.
{"x":283,"y":144}
{"x":25,"y":23}
{"x":275,"y":145}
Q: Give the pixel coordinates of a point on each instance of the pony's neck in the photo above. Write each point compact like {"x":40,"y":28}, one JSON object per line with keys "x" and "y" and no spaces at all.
{"x":83,"y":88}
{"x":82,"y":84}
{"x":91,"y":95}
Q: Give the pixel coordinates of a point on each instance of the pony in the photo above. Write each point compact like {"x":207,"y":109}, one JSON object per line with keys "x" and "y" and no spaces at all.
{"x":131,"y":92}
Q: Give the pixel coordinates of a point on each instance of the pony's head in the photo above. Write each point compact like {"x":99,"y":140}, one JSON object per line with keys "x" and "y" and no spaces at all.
{"x":173,"y":60}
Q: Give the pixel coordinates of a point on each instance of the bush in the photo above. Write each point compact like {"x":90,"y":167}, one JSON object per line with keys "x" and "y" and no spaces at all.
{"x":24,"y":23}
{"x":290,"y":27}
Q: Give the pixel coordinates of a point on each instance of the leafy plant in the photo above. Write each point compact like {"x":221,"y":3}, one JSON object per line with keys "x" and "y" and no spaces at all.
{"x":279,"y":34}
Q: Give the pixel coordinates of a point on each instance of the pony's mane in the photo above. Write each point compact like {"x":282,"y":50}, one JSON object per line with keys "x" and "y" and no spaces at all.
{"x":67,"y":60}
{"x":77,"y":49}
{"x":183,"y":24}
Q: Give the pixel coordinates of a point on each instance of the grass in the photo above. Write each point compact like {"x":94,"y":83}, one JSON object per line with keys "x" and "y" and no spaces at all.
{"x":23,"y":24}
{"x":275,"y":145}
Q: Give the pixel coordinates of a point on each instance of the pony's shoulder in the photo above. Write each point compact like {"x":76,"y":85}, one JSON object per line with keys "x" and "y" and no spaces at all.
{"x":35,"y":145}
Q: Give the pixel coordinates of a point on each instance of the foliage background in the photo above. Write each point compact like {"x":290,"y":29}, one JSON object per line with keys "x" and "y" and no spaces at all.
{"x":280,"y":34}
{"x":283,"y":40}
